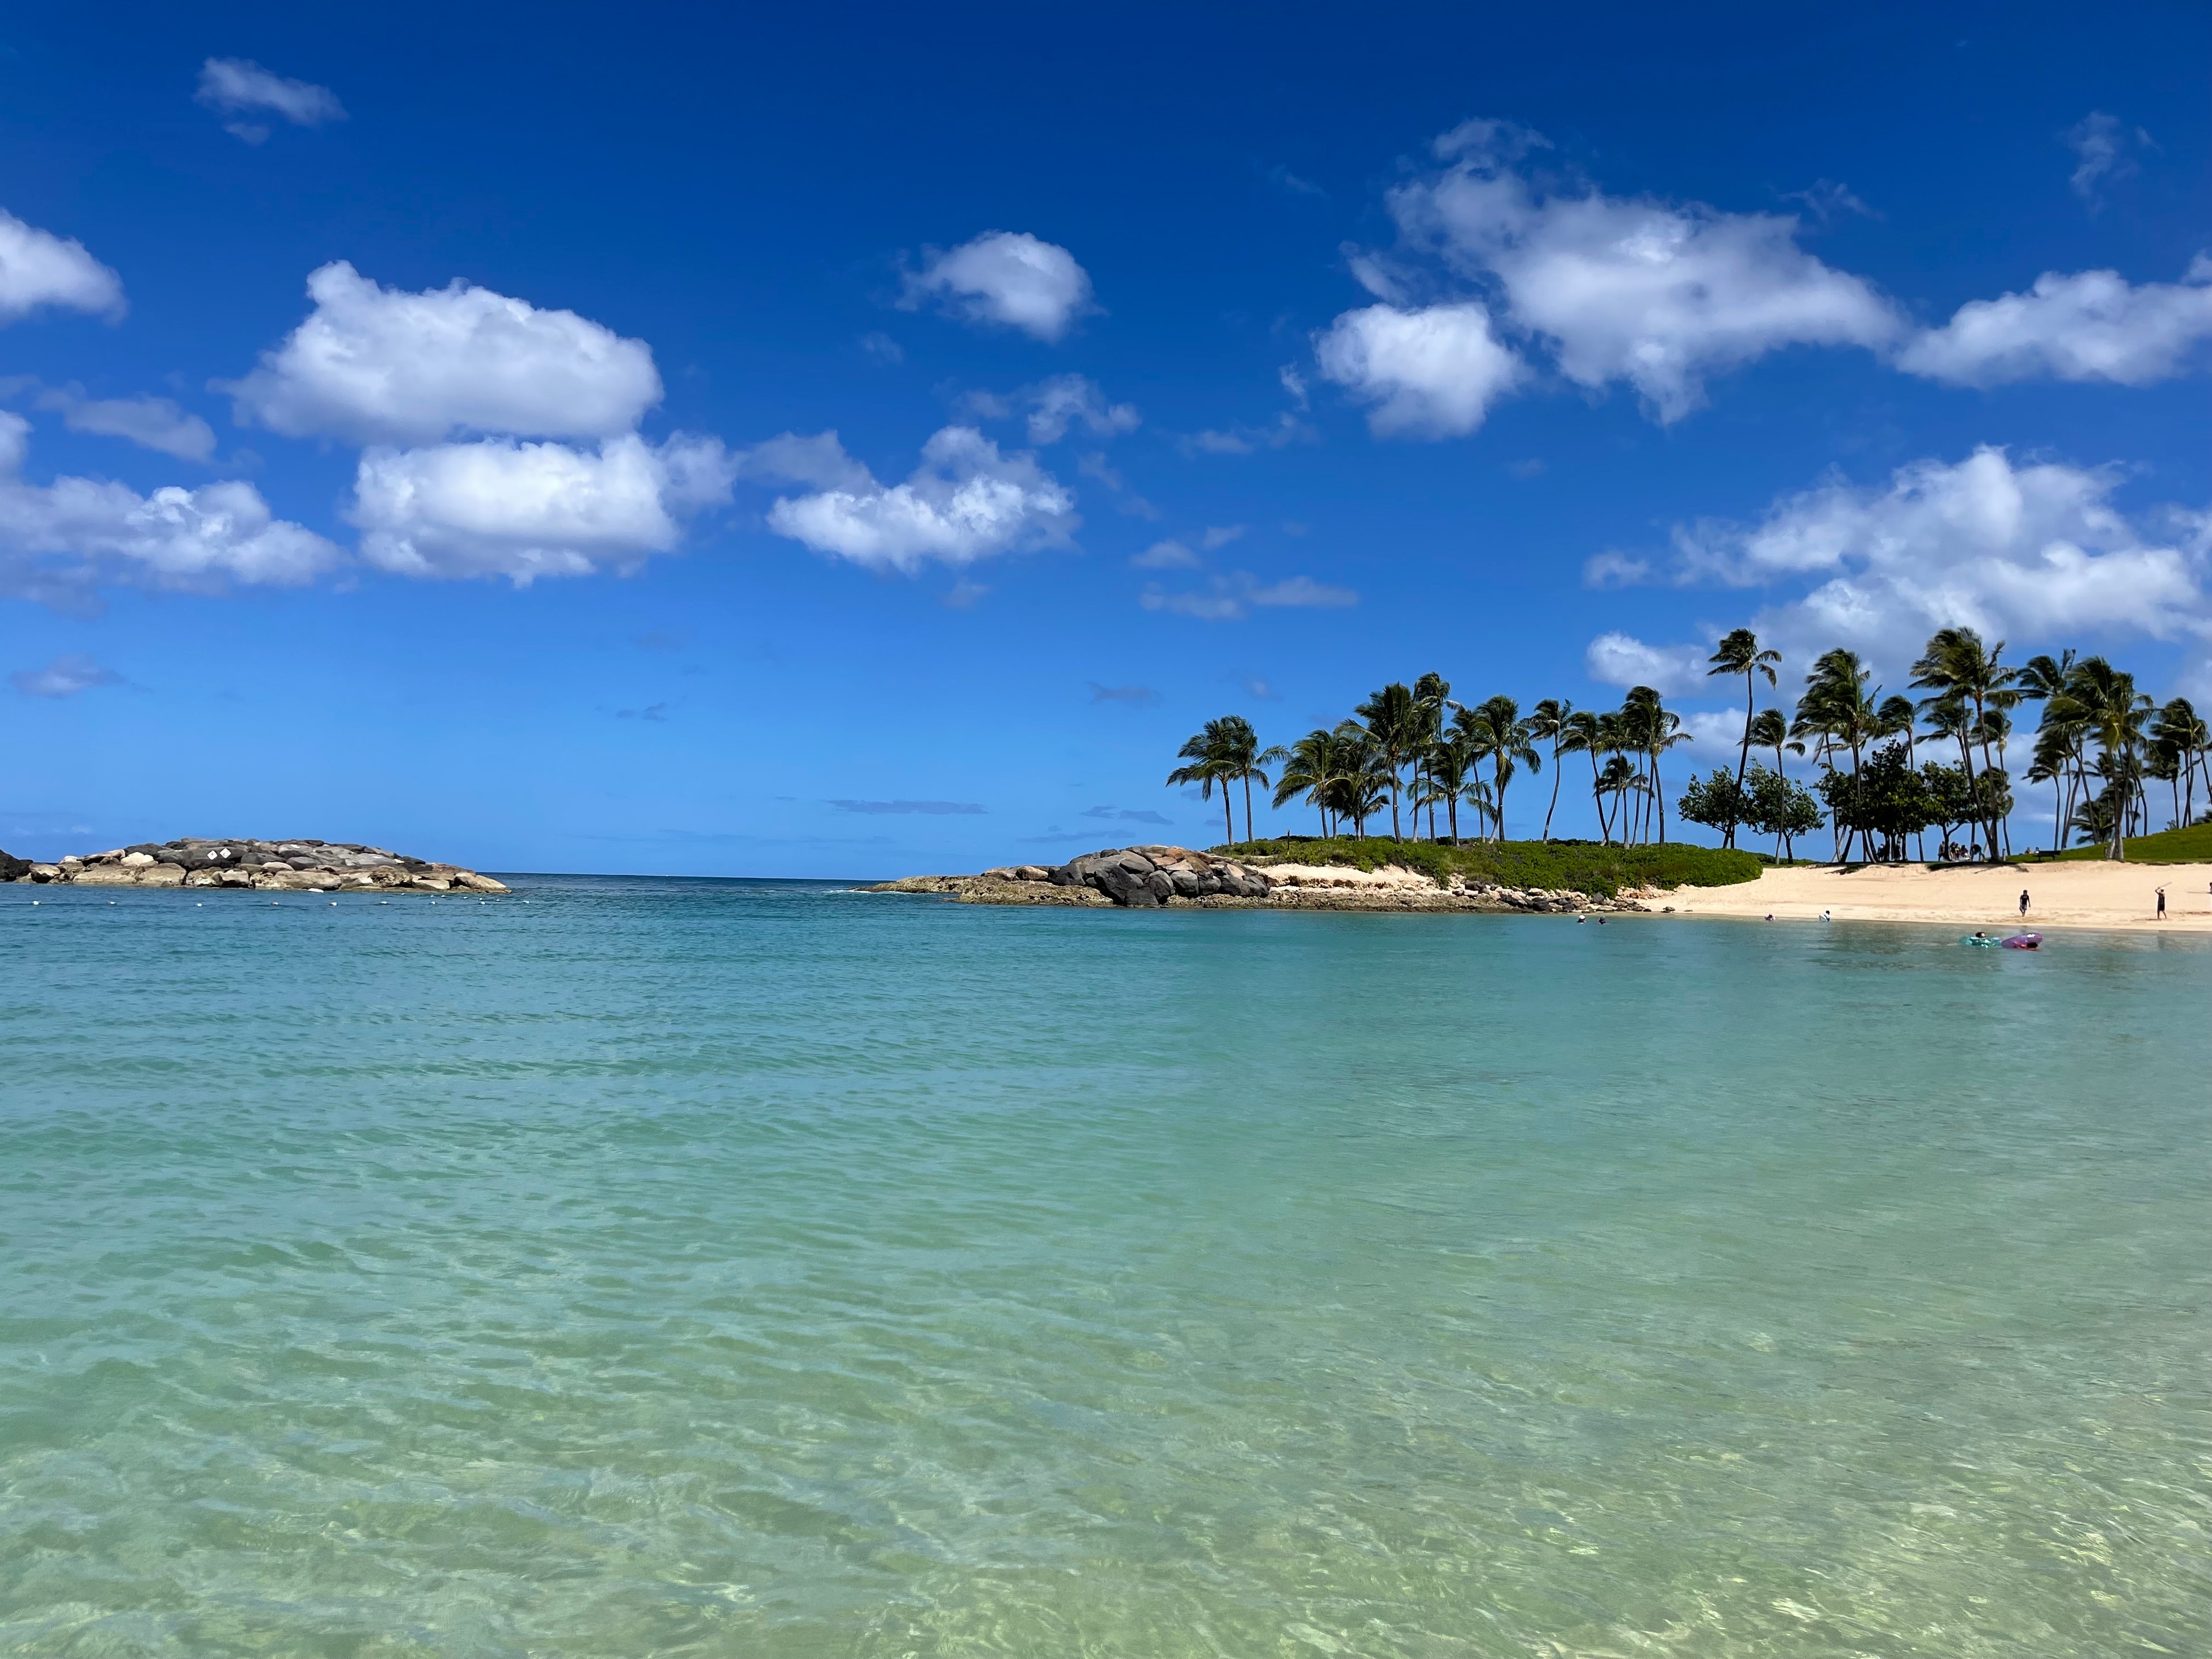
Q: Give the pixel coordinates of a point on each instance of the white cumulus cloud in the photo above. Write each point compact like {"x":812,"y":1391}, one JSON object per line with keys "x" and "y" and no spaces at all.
{"x":1429,"y":373}
{"x":1622,"y":659}
{"x":75,"y":531}
{"x":379,"y":365}
{"x":2093,"y":325}
{"x":1008,"y":277}
{"x":500,"y":508}
{"x":1658,"y":294}
{"x":2023,"y":550}
{"x":38,"y":268}
{"x":965,"y":502}
{"x":240,"y":86}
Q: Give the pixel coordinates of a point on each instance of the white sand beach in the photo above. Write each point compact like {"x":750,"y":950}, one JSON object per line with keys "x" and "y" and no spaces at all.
{"x":2090,"y":893}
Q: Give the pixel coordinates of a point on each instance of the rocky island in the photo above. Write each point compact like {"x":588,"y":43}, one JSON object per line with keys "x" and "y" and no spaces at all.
{"x":1147,"y":878}
{"x":326,"y":866}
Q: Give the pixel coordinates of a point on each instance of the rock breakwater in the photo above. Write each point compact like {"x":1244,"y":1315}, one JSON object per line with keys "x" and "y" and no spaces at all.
{"x":284,"y":865}
{"x":1146,"y":877}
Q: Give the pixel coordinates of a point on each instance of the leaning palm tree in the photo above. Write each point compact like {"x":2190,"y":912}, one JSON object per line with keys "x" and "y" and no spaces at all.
{"x":1739,"y":652}
{"x":1547,"y":723}
{"x":1210,"y":762}
{"x":1394,"y":725}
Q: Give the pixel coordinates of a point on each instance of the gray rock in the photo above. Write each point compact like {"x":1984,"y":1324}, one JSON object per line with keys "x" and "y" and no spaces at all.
{"x":1126,"y":887}
{"x":13,"y":868}
{"x":1160,"y":884}
{"x":1063,"y":875}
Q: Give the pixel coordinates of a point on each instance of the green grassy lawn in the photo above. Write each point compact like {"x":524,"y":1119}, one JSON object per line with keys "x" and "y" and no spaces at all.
{"x":1581,"y":866}
{"x":2190,"y":845}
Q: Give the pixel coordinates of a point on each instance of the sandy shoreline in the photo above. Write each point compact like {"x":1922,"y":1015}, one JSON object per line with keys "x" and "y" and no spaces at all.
{"x":2087,"y":894}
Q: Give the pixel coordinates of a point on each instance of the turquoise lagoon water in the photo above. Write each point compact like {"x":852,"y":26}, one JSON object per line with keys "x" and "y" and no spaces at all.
{"x":760,"y":1269}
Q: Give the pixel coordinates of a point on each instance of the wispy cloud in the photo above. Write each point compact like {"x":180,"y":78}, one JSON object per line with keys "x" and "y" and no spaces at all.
{"x":65,"y":677}
{"x":1232,"y":597}
{"x":930,"y":808}
{"x":239,"y":87}
{"x":1137,"y":696}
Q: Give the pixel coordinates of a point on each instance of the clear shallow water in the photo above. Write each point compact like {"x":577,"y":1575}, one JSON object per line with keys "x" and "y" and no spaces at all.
{"x":755,"y":1269}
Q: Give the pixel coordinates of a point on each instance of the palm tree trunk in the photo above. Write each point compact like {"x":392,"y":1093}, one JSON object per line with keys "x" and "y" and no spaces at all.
{"x":1554,"y":806}
{"x":1228,"y":816}
{"x":1248,"y":808}
{"x":1596,"y":795}
{"x":1451,"y":813}
{"x":1659,"y":789}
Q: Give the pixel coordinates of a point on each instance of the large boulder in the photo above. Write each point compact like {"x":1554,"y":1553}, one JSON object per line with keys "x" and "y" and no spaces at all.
{"x":1144,"y":876}
{"x":13,"y":868}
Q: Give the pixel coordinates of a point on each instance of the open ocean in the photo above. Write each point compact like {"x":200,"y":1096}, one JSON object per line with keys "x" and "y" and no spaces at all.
{"x":758,"y":1269}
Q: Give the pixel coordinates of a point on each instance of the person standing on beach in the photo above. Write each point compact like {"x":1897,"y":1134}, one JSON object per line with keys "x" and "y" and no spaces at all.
{"x":2162,"y":904}
{"x":2023,"y":900}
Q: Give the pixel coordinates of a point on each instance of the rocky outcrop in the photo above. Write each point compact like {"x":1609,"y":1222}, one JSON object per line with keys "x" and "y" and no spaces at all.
{"x":1135,"y":877}
{"x":328,"y":866}
{"x":1145,"y":878}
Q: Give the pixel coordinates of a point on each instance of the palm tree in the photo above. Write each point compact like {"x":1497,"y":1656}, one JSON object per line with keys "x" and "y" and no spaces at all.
{"x":1654,"y":729}
{"x":1585,"y":735}
{"x":2107,"y":703}
{"x":1739,"y":652}
{"x":1362,"y":787}
{"x":1477,"y":793}
{"x":2180,"y":733}
{"x":1617,"y":780}
{"x":1957,"y":663}
{"x":1771,"y":731}
{"x":1446,"y":770}
{"x":1315,"y":762}
{"x":2058,"y":741}
{"x":1496,"y":732}
{"x":1838,"y":710}
{"x":1394,"y":725}
{"x":1547,"y":723}
{"x":1431,"y":695}
{"x":1209,"y":753}
{"x":1242,"y":757}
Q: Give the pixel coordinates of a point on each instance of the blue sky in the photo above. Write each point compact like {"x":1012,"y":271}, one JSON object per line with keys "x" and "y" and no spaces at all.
{"x":1177,"y":365}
